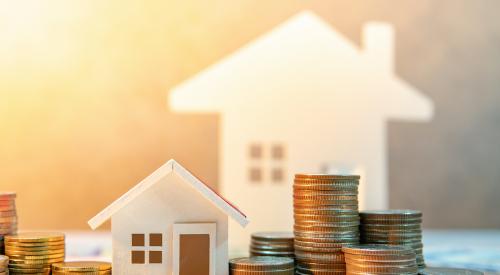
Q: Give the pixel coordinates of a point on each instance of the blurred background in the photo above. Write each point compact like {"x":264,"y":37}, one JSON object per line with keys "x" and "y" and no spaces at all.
{"x":84,"y":89}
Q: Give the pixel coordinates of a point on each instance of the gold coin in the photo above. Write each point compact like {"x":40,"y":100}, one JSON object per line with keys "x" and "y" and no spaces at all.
{"x":326,"y":176}
{"x":36,"y":257}
{"x":35,"y":237}
{"x":36,"y":261}
{"x":261,"y":263}
{"x":273,"y":236}
{"x":271,"y":248}
{"x":8,"y":214}
{"x":34,"y":253}
{"x":376,"y":249}
{"x":28,"y":245}
{"x":11,"y":247}
{"x":82,"y":266}
{"x":392,"y":213}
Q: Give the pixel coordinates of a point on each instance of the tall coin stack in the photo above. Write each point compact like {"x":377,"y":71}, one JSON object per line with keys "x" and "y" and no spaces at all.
{"x":262,"y":265}
{"x":380,"y":259}
{"x":8,"y":216}
{"x":82,"y":268}
{"x":4,"y":262}
{"x":34,"y":252}
{"x":326,"y":218}
{"x":394,"y":227}
{"x":279,"y":244}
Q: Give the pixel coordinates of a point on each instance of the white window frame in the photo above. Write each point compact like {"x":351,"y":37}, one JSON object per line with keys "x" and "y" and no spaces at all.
{"x":194,"y":228}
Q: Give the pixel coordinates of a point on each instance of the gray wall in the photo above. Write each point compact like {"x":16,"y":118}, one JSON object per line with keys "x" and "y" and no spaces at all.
{"x":449,"y":50}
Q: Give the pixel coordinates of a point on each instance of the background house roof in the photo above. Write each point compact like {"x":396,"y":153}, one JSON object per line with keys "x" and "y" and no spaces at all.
{"x":305,"y":54}
{"x":169,"y":167}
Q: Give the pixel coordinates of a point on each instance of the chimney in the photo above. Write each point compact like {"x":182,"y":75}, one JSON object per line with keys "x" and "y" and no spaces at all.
{"x":378,"y":42}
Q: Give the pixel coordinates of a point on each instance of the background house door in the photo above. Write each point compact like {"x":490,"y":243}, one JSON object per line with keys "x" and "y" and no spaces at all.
{"x":194,"y":249}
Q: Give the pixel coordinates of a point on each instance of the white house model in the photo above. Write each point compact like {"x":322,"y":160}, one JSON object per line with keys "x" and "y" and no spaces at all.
{"x":302,"y":98}
{"x":170,"y":223}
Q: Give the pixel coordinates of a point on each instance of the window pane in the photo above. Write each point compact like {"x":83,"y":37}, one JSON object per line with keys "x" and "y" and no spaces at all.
{"x":277,"y":175}
{"x":255,"y":151}
{"x":138,"y":240}
{"x":138,"y":257}
{"x":255,"y":174}
{"x":155,"y":257}
{"x":278,"y":151}
{"x":155,"y":239}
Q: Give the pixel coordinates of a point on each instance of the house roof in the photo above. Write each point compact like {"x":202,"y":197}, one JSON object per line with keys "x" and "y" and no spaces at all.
{"x":170,"y":167}
{"x":304,"y":59}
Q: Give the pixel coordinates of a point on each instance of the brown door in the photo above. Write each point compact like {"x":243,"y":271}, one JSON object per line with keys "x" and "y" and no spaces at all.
{"x":194,"y":254}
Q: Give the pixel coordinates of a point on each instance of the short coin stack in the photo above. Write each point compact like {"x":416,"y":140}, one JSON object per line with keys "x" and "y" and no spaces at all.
{"x":82,"y":268}
{"x":380,"y":259}
{"x":4,"y":262}
{"x":279,"y":244}
{"x":326,"y":218}
{"x":261,"y":265}
{"x":34,"y":252}
{"x":8,"y":216}
{"x":394,"y":227}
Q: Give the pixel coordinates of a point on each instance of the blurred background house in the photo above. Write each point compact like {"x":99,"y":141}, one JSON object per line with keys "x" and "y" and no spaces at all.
{"x":83,"y":101}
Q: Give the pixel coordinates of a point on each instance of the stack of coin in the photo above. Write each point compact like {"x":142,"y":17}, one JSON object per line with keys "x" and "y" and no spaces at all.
{"x":8,"y":216}
{"x":261,"y":265}
{"x":34,"y":252}
{"x":380,"y":259}
{"x":326,"y":218}
{"x":82,"y":268}
{"x":394,"y":227}
{"x":279,"y":244}
{"x":4,"y":262}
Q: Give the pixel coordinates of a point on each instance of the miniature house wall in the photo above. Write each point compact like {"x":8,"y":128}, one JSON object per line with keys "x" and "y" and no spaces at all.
{"x":170,"y":223}
{"x":302,"y":98}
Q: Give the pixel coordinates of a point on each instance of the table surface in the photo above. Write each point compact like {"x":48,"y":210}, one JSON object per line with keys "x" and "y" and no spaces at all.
{"x":474,"y":249}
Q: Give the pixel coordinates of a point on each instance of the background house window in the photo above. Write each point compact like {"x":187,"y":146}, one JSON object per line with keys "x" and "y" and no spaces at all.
{"x":277,"y":175}
{"x":255,"y":174}
{"x":278,"y":152}
{"x":139,"y":248}
{"x":255,"y":151}
{"x":266,"y":163}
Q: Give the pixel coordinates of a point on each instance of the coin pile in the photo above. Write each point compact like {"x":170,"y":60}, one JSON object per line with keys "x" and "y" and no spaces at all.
{"x":326,"y":218}
{"x":4,"y":262}
{"x":279,"y":244}
{"x":380,"y":259}
{"x":261,"y":265}
{"x":82,"y":268}
{"x":394,"y":227}
{"x":448,"y":271}
{"x":34,"y":252}
{"x":8,"y":216}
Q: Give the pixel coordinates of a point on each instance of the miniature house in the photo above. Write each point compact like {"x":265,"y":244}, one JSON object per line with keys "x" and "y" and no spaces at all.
{"x":302,"y":98}
{"x":170,"y":223}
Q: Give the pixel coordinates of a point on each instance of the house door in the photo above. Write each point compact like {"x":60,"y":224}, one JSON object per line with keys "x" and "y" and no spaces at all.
{"x":194,"y":249}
